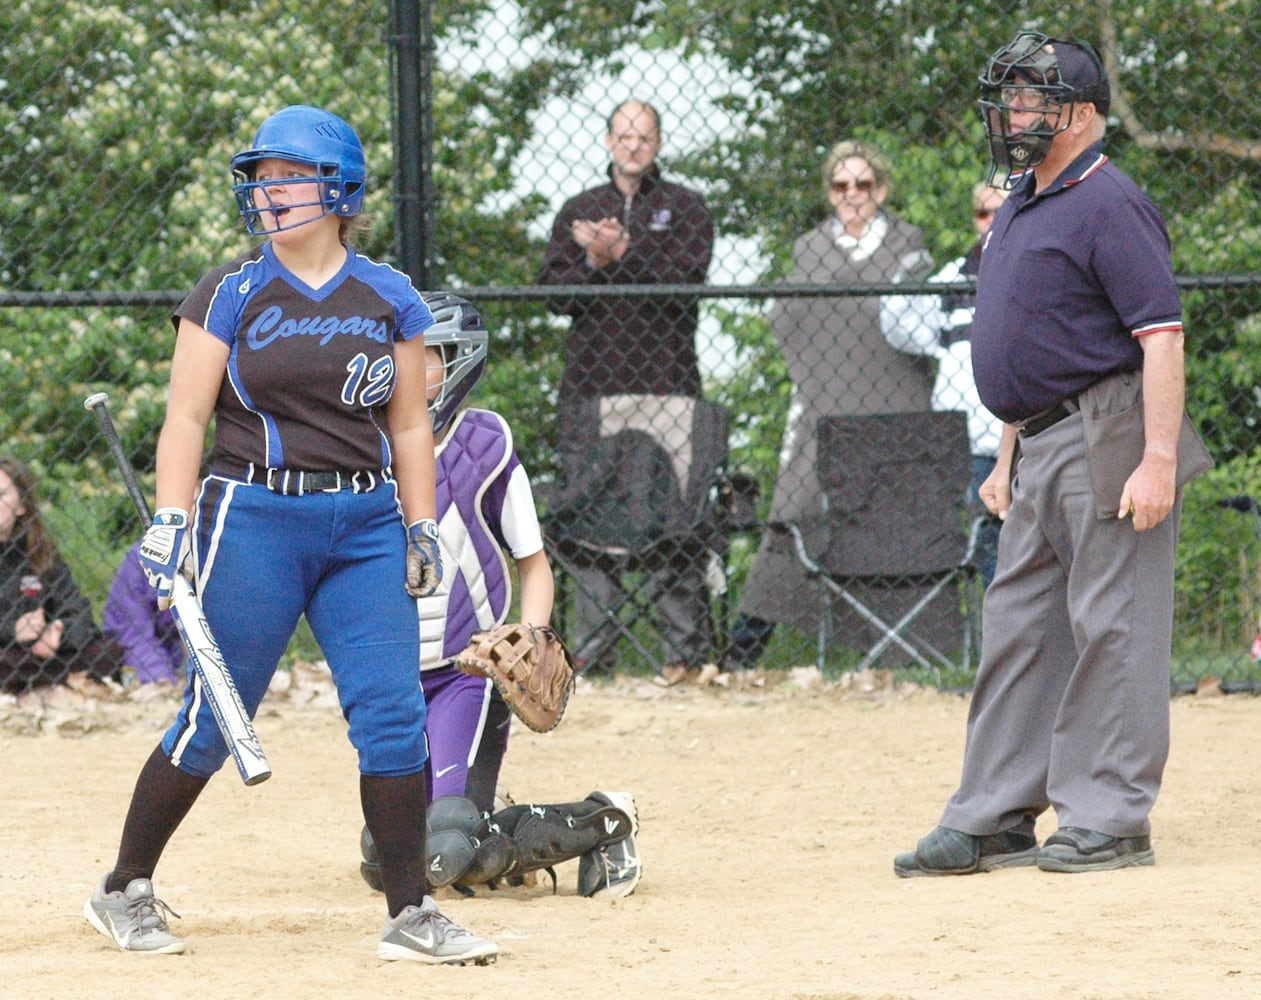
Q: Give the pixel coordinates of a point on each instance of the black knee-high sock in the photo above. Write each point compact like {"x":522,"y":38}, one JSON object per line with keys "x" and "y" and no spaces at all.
{"x":161,"y":800}
{"x":394,"y":809}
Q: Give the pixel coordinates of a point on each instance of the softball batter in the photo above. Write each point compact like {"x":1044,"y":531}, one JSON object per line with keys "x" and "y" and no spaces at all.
{"x":319,"y":501}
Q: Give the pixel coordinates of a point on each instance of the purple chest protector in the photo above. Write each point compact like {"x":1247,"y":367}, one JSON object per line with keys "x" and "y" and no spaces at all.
{"x":476,"y":591}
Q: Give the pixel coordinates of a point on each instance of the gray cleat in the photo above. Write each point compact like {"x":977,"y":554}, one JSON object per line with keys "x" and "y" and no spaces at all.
{"x":422,"y":934}
{"x":133,"y":919}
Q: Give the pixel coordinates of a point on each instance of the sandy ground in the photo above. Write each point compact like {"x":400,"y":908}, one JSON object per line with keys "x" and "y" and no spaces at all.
{"x":769,"y":818}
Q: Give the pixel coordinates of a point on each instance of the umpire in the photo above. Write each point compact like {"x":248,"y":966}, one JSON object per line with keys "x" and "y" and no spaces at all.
{"x":1077,"y":345}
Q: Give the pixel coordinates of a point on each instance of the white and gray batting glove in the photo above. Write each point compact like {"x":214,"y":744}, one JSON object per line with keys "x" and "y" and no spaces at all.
{"x":163,"y":550}
{"x":424,"y":559}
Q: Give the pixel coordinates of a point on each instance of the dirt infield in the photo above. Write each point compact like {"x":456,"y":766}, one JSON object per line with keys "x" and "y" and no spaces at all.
{"x":769,"y":819}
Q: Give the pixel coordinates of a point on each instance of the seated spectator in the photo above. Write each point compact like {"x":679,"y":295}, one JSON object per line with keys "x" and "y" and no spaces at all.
{"x":152,"y":648}
{"x":46,"y":626}
{"x":840,"y":365}
{"x":940,"y":326}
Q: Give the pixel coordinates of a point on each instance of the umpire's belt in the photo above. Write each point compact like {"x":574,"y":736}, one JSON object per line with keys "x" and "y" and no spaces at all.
{"x":296,"y":482}
{"x":1048,"y":418}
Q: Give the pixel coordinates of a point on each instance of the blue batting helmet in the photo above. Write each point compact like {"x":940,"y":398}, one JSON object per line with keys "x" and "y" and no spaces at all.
{"x":302,"y":134}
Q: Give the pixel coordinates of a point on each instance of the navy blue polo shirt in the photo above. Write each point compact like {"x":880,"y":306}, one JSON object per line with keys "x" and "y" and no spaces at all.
{"x":1069,"y":279}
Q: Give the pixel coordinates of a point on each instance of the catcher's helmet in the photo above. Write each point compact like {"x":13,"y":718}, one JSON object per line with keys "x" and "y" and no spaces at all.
{"x":302,"y":134}
{"x":1036,"y":73}
{"x":460,"y":333}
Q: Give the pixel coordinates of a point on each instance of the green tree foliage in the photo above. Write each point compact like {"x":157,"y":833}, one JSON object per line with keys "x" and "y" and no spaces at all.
{"x":904,"y":74}
{"x":119,"y":119}
{"x":134,"y":134}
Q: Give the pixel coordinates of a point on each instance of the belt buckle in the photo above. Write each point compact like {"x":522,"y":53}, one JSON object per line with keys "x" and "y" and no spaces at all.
{"x":335,"y":488}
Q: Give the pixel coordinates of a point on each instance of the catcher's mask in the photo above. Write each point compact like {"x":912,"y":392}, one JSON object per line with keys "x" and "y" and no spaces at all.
{"x":312,"y":136}
{"x":460,"y":334}
{"x":1035,"y":73}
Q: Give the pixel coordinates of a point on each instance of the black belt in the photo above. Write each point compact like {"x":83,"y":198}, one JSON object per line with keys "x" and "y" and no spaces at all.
{"x":1048,"y":418}
{"x":297,"y":482}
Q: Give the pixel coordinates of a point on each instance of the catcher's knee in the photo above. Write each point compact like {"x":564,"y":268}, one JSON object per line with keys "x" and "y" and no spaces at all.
{"x":453,"y":830}
{"x":370,"y":866}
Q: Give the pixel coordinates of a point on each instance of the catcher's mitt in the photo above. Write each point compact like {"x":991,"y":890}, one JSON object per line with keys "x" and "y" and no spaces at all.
{"x":530,"y":666}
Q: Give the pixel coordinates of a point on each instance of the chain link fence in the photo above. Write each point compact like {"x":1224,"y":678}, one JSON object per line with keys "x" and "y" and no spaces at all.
{"x":119,"y":120}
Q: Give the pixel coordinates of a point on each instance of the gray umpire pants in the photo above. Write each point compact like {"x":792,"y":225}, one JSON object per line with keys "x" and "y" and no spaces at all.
{"x":1071,"y":704}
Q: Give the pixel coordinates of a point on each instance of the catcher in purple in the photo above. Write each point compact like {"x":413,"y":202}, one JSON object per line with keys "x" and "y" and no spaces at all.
{"x":486,"y":516}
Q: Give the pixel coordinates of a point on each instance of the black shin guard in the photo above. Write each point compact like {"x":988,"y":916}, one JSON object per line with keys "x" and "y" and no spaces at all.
{"x":455,"y":830}
{"x":546,"y":835}
{"x":465,"y":848}
{"x":454,"y":834}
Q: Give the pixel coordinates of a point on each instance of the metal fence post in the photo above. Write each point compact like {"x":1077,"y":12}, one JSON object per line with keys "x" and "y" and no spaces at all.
{"x":411,"y":50}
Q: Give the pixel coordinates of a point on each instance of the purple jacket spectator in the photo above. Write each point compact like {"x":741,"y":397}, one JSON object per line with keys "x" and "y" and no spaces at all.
{"x":149,"y":637}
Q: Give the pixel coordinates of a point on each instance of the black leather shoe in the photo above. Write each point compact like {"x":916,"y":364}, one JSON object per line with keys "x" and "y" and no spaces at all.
{"x":952,"y":852}
{"x":1074,"y":849}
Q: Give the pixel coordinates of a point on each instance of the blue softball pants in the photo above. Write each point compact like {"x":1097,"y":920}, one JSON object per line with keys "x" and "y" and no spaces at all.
{"x":264,"y":559}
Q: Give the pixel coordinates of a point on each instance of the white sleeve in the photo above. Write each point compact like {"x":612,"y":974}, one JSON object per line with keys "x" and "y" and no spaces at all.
{"x":913,"y":323}
{"x":520,"y":518}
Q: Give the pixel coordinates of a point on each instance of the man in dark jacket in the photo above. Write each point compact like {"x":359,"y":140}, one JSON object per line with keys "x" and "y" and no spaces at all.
{"x":637,"y":229}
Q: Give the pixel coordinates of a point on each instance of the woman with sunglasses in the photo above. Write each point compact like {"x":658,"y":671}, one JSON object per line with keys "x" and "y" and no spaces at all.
{"x":840,"y":365}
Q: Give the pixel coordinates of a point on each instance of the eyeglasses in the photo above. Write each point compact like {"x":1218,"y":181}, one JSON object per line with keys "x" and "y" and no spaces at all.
{"x":866,"y":186}
{"x":985,"y":213}
{"x":1024,"y":98}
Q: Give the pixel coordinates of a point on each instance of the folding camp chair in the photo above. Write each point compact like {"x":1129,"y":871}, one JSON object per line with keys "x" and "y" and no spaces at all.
{"x":892,"y":549}
{"x":643,"y":494}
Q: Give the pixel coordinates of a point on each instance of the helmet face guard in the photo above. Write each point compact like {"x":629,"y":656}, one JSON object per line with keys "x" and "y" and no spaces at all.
{"x":311,"y":136}
{"x":1025,"y":76}
{"x":460,"y":335}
